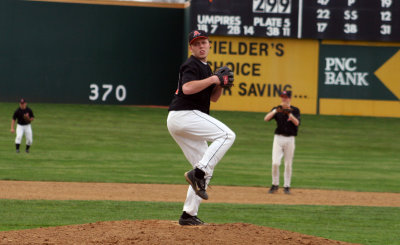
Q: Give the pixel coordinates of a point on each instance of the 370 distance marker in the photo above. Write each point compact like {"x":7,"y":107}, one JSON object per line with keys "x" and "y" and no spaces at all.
{"x":106,"y":90}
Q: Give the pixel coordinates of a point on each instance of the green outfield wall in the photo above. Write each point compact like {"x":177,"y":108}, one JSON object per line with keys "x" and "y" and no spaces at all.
{"x":124,"y":52}
{"x":90,"y":53}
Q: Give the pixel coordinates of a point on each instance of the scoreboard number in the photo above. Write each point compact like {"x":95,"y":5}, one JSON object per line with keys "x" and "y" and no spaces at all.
{"x":248,"y":30}
{"x":273,"y":31}
{"x":386,"y":3}
{"x":213,"y":28}
{"x":233,"y":30}
{"x":202,"y":27}
{"x":386,"y":29}
{"x":272,"y":6}
{"x":350,"y":28}
{"x":386,"y":16}
{"x":321,"y":26}
{"x":259,"y":6}
{"x":323,"y":2}
{"x":323,"y":14}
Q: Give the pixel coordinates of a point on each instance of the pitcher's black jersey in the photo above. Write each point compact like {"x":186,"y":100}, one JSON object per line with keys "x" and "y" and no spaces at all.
{"x":192,"y":70}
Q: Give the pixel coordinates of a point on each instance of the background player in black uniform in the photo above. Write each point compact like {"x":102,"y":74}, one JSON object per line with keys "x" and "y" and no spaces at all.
{"x":24,"y":116}
{"x":191,"y":126}
{"x":287,"y":118}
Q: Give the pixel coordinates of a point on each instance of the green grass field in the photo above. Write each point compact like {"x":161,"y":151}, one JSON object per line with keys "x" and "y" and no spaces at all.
{"x":93,"y":143}
{"x":129,"y":144}
{"x":367,"y":225}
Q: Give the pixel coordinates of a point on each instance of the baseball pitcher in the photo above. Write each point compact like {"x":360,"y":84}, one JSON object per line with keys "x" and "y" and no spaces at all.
{"x":191,"y":126}
{"x":287,"y":118}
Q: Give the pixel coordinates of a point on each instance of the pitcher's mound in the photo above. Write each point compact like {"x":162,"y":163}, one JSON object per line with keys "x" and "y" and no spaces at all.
{"x":158,"y":232}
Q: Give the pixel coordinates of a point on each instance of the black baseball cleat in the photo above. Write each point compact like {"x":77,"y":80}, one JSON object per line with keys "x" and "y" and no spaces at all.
{"x":199,"y":220}
{"x":198,"y":185}
{"x":286,"y":190}
{"x":273,"y":189}
{"x":27,"y":150}
{"x":17,"y":151}
{"x":187,"y":219}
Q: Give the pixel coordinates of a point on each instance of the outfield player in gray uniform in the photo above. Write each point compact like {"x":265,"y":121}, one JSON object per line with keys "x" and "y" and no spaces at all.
{"x":287,"y":118}
{"x":191,"y":126}
{"x":24,"y":116}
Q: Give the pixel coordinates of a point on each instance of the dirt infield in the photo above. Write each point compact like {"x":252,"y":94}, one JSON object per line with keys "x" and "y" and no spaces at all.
{"x":169,"y":232}
{"x":158,"y":232}
{"x":29,"y":190}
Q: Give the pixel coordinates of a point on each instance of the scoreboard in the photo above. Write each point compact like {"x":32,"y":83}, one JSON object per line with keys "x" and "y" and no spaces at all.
{"x":367,"y":20}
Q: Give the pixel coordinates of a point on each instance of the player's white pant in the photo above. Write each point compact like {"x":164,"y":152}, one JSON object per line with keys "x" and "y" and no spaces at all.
{"x":283,"y":147}
{"x":21,"y":130}
{"x":192,"y":130}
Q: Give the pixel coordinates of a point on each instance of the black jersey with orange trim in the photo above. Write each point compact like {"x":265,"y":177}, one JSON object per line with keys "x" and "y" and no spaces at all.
{"x":19,"y":115}
{"x":192,"y":70}
{"x":285,"y":127}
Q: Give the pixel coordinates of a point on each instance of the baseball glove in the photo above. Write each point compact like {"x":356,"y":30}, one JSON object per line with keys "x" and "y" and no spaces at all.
{"x":281,"y":109}
{"x":287,"y":111}
{"x":26,"y":117}
{"x":225,"y":76}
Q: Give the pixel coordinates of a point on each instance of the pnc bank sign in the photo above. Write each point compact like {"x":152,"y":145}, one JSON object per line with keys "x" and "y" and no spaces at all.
{"x":342,"y":71}
{"x":357,"y":72}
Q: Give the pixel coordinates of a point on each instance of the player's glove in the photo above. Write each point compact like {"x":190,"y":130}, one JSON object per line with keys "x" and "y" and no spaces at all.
{"x":281,"y":109}
{"x":287,"y":111}
{"x":26,"y":117}
{"x":225,"y":76}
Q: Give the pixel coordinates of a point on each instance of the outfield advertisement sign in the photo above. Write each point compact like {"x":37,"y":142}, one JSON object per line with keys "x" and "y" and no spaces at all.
{"x":264,"y":67}
{"x":359,"y":79}
{"x":329,"y":78}
{"x":348,"y":72}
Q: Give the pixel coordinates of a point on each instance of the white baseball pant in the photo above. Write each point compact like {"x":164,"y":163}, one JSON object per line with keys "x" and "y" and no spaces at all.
{"x":283,"y":146}
{"x":192,"y":129}
{"x":21,"y":130}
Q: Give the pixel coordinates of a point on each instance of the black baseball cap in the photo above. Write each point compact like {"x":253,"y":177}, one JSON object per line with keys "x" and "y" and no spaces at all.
{"x":286,"y":93}
{"x":196,"y":34}
{"x":22,"y":101}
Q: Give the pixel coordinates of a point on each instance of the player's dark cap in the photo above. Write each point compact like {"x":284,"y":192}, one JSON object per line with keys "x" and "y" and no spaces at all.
{"x":196,"y":34}
{"x":286,"y":94}
{"x":22,"y":101}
